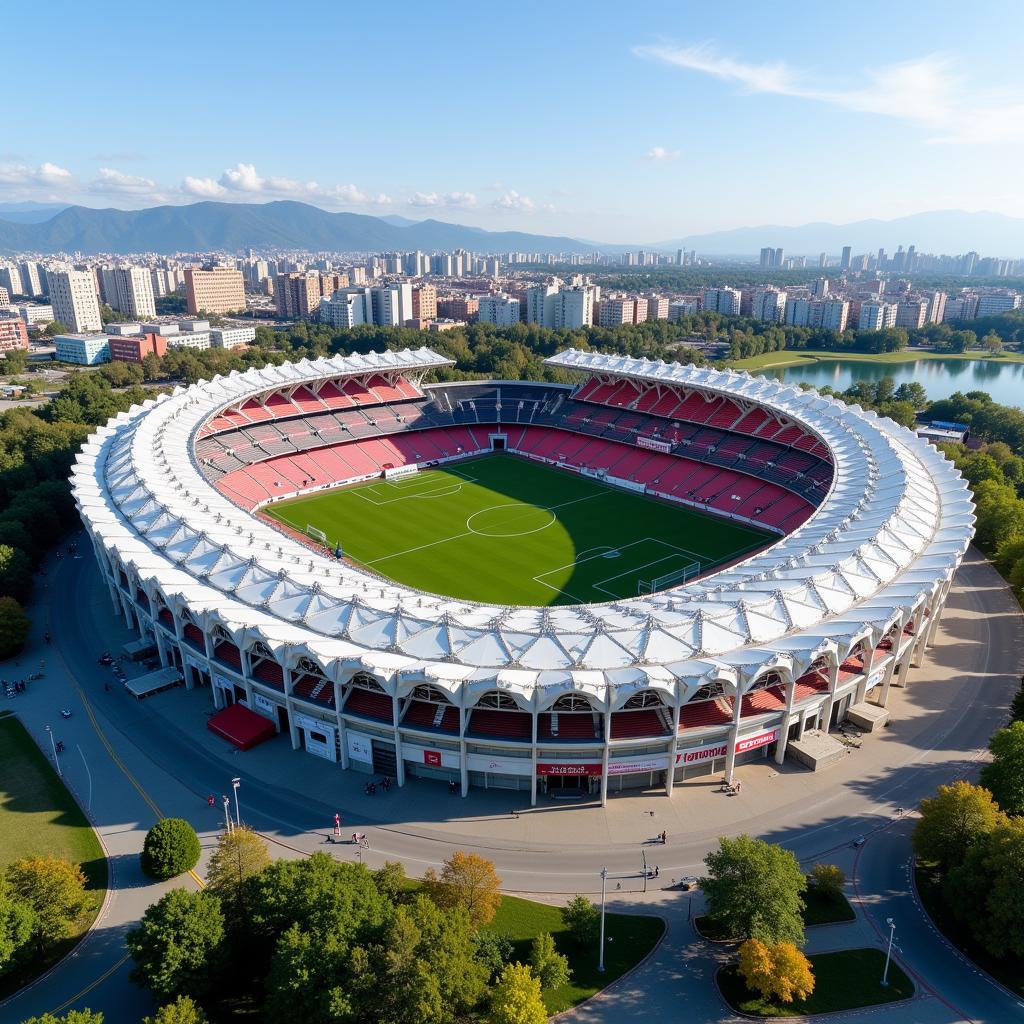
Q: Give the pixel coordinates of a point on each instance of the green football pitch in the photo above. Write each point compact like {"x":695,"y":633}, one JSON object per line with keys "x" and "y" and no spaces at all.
{"x":504,"y":530}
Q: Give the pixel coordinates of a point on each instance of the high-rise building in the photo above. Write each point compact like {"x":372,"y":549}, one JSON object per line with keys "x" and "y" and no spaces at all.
{"x":822,"y":260}
{"x":297,"y":295}
{"x":13,"y":334}
{"x":217,"y":290}
{"x":616,"y":312}
{"x":132,"y":292}
{"x":345,"y":308}
{"x":657,"y":307}
{"x":844,"y":263}
{"x":768,"y":304}
{"x":573,"y":307}
{"x":936,"y":307}
{"x":502,"y":310}
{"x":829,"y":314}
{"x":391,"y":304}
{"x":994,"y":303}
{"x":74,"y":300}
{"x":723,"y":300}
{"x":912,"y":313}
{"x":5,"y":298}
{"x":876,"y":315}
{"x":33,"y":279}
{"x":820,"y":288}
{"x":458,"y":307}
{"x":424,"y":301}
{"x":10,"y":278}
{"x":538,"y":304}
{"x":767,"y":257}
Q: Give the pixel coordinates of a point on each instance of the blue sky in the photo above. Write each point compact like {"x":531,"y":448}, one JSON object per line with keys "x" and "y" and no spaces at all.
{"x":613,"y":121}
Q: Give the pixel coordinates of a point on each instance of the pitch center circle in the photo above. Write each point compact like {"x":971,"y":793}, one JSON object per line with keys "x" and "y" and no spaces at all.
{"x":515,"y":519}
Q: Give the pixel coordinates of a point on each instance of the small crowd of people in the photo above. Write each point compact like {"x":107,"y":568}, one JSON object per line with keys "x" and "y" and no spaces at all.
{"x":371,"y":787}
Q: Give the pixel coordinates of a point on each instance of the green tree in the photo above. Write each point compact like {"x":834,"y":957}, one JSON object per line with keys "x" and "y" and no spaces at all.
{"x":240,"y":854}
{"x":15,"y":626}
{"x":952,"y":821}
{"x":182,"y":1011}
{"x":755,"y":890}
{"x":177,"y":947}
{"x":583,"y":919}
{"x":16,"y":921}
{"x":15,"y":360}
{"x":1017,"y":705}
{"x":516,"y":998}
{"x":828,"y":879}
{"x":55,"y":327}
{"x":171,"y":847}
{"x":549,"y":966}
{"x":1003,"y":776}
{"x":71,"y":1017}
{"x":15,"y":572}
{"x":469,"y":881}
{"x":390,"y":880}
{"x":54,"y":891}
{"x":494,"y":950}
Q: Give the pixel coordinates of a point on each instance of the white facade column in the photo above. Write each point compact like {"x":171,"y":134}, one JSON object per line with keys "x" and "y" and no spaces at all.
{"x":734,"y":732}
{"x":533,"y":757}
{"x":904,"y":669}
{"x":883,"y":700}
{"x":342,"y":734}
{"x":862,"y":687}
{"x":787,"y":716}
{"x":289,"y":685}
{"x":608,"y":698}
{"x":463,"y":754}
{"x":673,"y":747}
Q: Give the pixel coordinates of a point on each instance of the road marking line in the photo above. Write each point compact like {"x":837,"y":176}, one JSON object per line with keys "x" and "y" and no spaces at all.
{"x":92,"y":984}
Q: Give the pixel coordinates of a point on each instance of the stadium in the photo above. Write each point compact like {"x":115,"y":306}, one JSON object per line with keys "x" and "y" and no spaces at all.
{"x":653,"y":574}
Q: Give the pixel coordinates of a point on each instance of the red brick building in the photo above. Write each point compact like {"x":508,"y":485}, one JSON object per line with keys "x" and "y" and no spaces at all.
{"x":13,"y":334}
{"x":133,"y":348}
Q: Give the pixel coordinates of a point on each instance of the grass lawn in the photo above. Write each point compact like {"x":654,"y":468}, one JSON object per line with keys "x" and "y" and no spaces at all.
{"x":507,"y":530}
{"x":1007,"y":970}
{"x":794,"y":357}
{"x":843,"y":981}
{"x":38,"y":816}
{"x":628,"y":939}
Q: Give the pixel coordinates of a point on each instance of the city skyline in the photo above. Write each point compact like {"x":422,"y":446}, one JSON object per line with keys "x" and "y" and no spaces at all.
{"x":681,"y":121}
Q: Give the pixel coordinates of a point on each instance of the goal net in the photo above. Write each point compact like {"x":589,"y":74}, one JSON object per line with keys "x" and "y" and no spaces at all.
{"x":688,"y":572}
{"x":312,"y":531}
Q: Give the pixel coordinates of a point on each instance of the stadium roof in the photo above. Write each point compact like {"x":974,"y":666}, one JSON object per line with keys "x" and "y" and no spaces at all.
{"x":891,"y":532}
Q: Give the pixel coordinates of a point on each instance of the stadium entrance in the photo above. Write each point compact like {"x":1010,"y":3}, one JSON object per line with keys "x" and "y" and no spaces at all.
{"x":562,"y":780}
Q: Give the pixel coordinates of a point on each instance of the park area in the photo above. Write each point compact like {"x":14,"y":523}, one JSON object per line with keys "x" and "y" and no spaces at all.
{"x":506,"y":530}
{"x":39,"y":817}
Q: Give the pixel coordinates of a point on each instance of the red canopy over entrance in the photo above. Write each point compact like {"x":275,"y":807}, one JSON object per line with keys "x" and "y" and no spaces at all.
{"x":240,"y":726}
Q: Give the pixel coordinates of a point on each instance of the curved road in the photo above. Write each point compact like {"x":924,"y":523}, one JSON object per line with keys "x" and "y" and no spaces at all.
{"x":135,"y":765}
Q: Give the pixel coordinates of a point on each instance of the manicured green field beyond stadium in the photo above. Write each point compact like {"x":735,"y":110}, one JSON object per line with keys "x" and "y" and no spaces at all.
{"x":504,"y":530}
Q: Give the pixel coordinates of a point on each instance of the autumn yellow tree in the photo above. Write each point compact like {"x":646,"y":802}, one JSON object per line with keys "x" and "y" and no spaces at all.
{"x":469,"y":881}
{"x":516,"y":998}
{"x":780,"y":972}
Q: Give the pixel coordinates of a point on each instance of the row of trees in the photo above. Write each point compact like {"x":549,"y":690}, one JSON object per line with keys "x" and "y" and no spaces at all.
{"x":322,"y":941}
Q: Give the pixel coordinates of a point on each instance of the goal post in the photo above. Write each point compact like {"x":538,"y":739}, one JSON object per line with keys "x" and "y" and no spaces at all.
{"x":316,"y":534}
{"x":651,"y":586}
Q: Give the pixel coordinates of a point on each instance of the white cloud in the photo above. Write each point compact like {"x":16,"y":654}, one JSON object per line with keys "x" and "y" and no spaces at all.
{"x":463,"y":200}
{"x":512,"y":200}
{"x":350,"y":195}
{"x":242,"y":178}
{"x":205,"y":187}
{"x":46,"y":174}
{"x":110,"y":180}
{"x":929,"y":90}
{"x":51,"y":174}
{"x":660,"y":153}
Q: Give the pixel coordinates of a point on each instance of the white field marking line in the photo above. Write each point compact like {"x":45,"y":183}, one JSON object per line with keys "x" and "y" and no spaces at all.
{"x":614,"y":594}
{"x":431,"y":477}
{"x":444,"y":491}
{"x":675,"y":552}
{"x":532,"y":508}
{"x":420,"y":547}
{"x":601,"y":552}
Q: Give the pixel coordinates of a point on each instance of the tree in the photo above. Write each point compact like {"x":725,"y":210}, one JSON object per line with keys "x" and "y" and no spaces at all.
{"x":549,"y":966}
{"x":171,"y":847}
{"x":16,"y":922}
{"x":583,"y":919}
{"x":516,"y":998}
{"x":952,"y":821}
{"x":177,"y":947}
{"x":182,"y":1011}
{"x":15,"y":626}
{"x":1017,"y":705}
{"x":54,"y":891}
{"x":71,"y":1017}
{"x":15,"y":360}
{"x":55,"y":327}
{"x":779,"y":972}
{"x":469,"y":881}
{"x":1003,"y":776}
{"x":240,"y":854}
{"x":755,"y":889}
{"x":828,"y":879}
{"x":390,"y":880}
{"x":494,"y":950}
{"x":15,"y":572}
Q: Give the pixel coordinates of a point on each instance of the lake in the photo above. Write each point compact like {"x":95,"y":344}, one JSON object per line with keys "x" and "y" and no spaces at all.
{"x":1004,"y":381}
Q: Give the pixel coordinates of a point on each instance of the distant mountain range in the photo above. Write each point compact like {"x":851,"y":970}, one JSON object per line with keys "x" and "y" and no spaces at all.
{"x":231,"y":227}
{"x":938,"y":231}
{"x":202,"y":227}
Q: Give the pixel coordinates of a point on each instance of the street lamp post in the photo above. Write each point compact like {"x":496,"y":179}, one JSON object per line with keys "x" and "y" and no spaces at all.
{"x":227,"y":812}
{"x":888,"y":953}
{"x":600,"y":955}
{"x":235,"y":783}
{"x":644,"y":852}
{"x":56,"y":760}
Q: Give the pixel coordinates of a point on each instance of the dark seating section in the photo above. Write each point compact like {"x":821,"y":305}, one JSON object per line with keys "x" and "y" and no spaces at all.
{"x":506,"y":725}
{"x":369,"y":704}
{"x":423,"y":714}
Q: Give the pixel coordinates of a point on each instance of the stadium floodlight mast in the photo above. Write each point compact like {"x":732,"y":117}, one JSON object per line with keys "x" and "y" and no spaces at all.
{"x":604,"y":886}
{"x":235,"y":783}
{"x":888,"y":953}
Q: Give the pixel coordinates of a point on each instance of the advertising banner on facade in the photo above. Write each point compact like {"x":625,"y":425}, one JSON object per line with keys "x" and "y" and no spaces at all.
{"x":264,"y":706}
{"x":753,"y":742}
{"x":359,"y":747}
{"x":498,"y":765}
{"x":640,"y":764}
{"x":430,"y":755}
{"x":568,"y":768}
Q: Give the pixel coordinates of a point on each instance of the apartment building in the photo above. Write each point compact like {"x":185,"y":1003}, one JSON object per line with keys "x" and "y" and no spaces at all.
{"x":994,"y":303}
{"x":502,"y":310}
{"x":345,"y":308}
{"x":217,"y":290}
{"x":912,"y":313}
{"x":458,"y":307}
{"x":424,"y":300}
{"x":876,"y":316}
{"x":75,"y":301}
{"x":133,"y":348}
{"x":768,"y":304}
{"x":130,"y":290}
{"x":231,"y":337}
{"x":13,"y":334}
{"x":82,"y":349}
{"x":723,"y":300}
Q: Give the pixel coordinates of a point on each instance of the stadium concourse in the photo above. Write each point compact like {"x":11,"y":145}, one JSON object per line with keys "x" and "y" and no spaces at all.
{"x":762,"y":657}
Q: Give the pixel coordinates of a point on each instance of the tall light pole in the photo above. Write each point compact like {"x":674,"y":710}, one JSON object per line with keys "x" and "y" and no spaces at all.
{"x":235,"y":783}
{"x":888,"y":953}
{"x":227,"y":812}
{"x":53,"y":743}
{"x":600,"y":955}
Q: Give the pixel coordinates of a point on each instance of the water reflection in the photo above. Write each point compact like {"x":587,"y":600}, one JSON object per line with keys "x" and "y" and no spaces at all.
{"x":939,"y":377}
